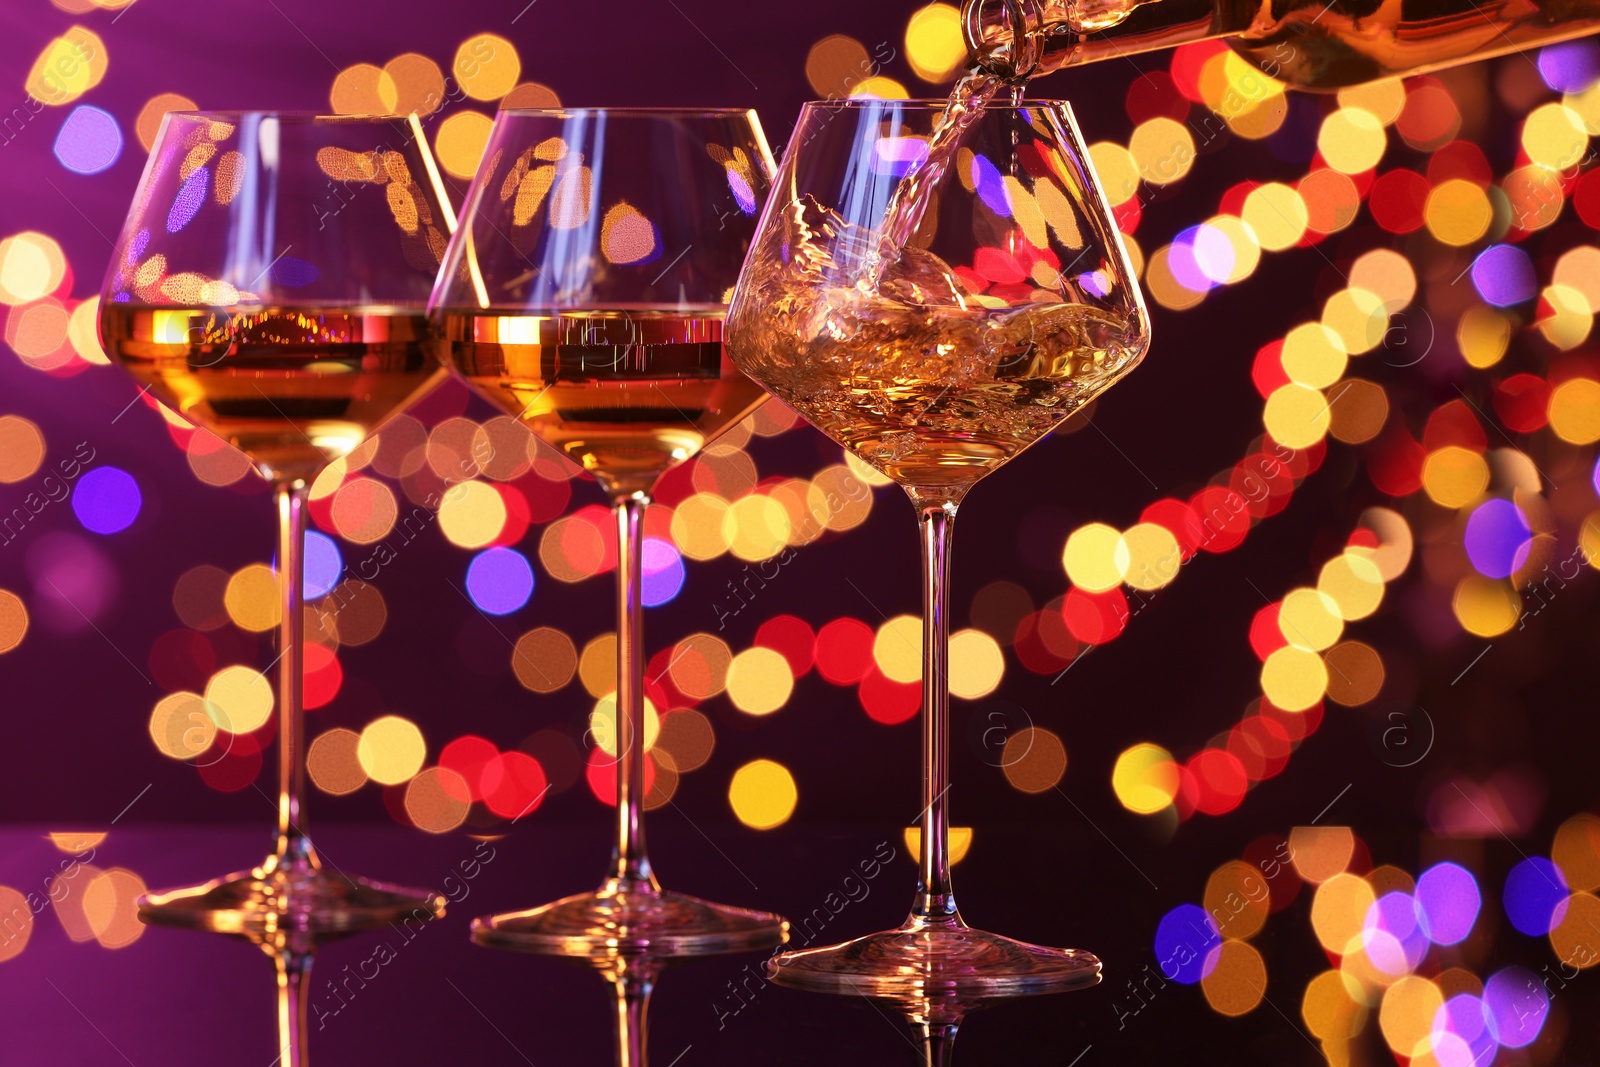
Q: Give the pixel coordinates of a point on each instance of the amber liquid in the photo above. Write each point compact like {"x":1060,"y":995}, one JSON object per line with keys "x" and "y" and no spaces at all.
{"x":932,"y":389}
{"x":293,"y":388}
{"x":626,"y":394}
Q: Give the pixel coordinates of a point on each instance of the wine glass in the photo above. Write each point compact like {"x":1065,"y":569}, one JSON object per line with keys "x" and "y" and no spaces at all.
{"x":585,"y":294}
{"x":936,"y":292}
{"x":270,"y":284}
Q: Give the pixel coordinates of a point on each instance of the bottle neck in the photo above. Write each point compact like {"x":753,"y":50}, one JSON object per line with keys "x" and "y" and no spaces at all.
{"x":1023,"y":39}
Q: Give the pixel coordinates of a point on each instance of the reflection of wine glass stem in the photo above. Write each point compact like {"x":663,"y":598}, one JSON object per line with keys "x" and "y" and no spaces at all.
{"x":631,"y":865}
{"x":632,"y":988}
{"x":294,"y":989}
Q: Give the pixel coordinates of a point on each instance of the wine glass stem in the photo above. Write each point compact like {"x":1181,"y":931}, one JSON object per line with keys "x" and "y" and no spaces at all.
{"x":936,"y":900}
{"x":292,"y":845}
{"x":631,"y":866}
{"x":938,"y":1043}
{"x":294,"y":988}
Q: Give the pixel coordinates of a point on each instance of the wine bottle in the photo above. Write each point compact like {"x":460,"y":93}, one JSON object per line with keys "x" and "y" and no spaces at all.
{"x":1319,"y":45}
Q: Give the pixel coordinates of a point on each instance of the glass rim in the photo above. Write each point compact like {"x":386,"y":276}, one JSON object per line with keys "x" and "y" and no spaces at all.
{"x":645,"y":112}
{"x":286,"y":115}
{"x":925,"y":103}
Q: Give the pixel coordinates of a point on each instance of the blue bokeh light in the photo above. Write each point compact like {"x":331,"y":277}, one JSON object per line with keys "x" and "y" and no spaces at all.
{"x":898,"y":156}
{"x":499,"y":580}
{"x":742,"y":193}
{"x":1448,"y":902}
{"x":1536,"y":896}
{"x":186,"y":205}
{"x":1571,"y":66}
{"x":107,"y":500}
{"x":1188,"y":944}
{"x":990,"y":186}
{"x":663,"y":572}
{"x":1504,"y":275}
{"x":293,"y":273}
{"x":1518,"y":1005}
{"x":90,"y":140}
{"x":1392,"y":933}
{"x":1467,"y":1017}
{"x":323,"y":565}
{"x":1498,"y":538}
{"x":1201,"y":258}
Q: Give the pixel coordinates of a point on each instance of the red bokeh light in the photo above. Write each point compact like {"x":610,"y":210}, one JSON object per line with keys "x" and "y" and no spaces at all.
{"x":1266,"y":636}
{"x":1261,"y":745}
{"x":1213,"y":782}
{"x":1224,"y":518}
{"x":182,"y":659}
{"x":518,"y":515}
{"x":1095,"y":618}
{"x":1460,"y":159}
{"x":1523,"y":402}
{"x":792,"y":638}
{"x":468,"y":756}
{"x":1270,"y":854}
{"x":232,"y":762}
{"x":1267,"y":371}
{"x":546,"y":499}
{"x":1586,"y":199}
{"x":844,"y":651}
{"x":888,"y":701}
{"x":1395,"y":462}
{"x":1180,"y":520}
{"x":323,"y":676}
{"x":601,"y":774}
{"x":514,"y":784}
{"x":1155,"y":94}
{"x":1453,"y":423}
{"x":1398,"y":200}
{"x":1043,"y":643}
{"x":1188,"y":60}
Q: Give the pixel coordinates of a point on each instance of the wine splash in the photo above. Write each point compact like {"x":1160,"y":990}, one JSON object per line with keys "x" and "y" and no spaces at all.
{"x":914,"y":376}
{"x":971,"y":94}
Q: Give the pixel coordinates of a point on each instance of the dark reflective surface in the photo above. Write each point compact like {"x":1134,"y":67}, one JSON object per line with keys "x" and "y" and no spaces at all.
{"x":420,"y":994}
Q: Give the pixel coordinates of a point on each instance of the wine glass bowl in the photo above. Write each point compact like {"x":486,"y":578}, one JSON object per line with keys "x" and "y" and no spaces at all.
{"x":936,"y":287}
{"x":270,"y":284}
{"x":1011,"y":306}
{"x":592,"y":263}
{"x":585,"y":294}
{"x":271,"y":281}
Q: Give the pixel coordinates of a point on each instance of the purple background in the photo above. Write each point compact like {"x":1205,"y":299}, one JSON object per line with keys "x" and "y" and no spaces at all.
{"x":1067,"y":868}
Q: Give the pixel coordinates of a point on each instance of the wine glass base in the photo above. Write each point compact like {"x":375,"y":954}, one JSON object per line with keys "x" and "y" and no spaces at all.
{"x":935,"y":958}
{"x":290,"y":899}
{"x":613,"y":920}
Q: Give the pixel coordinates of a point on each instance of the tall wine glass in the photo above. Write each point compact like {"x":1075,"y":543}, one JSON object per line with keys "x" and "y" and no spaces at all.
{"x":585,"y":294}
{"x":936,"y":294}
{"x":270,"y":284}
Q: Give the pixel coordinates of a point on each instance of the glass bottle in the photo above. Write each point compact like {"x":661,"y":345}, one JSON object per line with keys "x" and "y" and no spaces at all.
{"x":1319,"y":45}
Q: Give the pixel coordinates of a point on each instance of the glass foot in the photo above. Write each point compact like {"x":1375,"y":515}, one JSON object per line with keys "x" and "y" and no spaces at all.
{"x":616,"y":919}
{"x":300,"y":899}
{"x":935,"y":958}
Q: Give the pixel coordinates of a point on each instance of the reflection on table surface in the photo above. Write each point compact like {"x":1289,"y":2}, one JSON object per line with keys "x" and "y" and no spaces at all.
{"x":82,"y":983}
